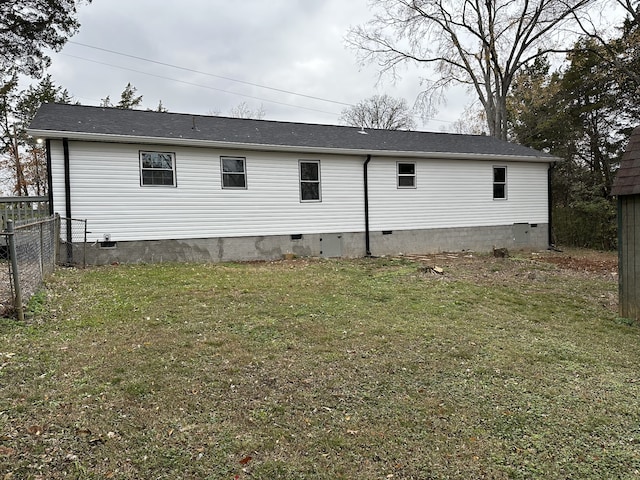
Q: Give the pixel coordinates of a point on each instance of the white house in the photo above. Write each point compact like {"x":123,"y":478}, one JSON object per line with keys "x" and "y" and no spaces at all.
{"x":172,"y":187}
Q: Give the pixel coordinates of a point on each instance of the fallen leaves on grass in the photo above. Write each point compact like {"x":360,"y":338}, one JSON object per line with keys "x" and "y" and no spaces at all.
{"x":349,"y":369}
{"x":35,"y":430}
{"x":7,"y":451}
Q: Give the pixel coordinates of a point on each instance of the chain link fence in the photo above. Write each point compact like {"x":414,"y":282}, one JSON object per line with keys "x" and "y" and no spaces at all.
{"x":30,"y":250}
{"x":73,"y":242}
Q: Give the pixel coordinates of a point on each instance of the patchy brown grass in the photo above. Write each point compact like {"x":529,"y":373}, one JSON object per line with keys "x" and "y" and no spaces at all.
{"x":496,"y":368}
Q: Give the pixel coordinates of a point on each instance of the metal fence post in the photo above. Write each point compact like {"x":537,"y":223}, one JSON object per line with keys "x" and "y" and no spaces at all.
{"x":41,"y":250}
{"x":56,"y":236}
{"x":14,"y":270}
{"x":69,"y":242}
{"x":84,"y":247}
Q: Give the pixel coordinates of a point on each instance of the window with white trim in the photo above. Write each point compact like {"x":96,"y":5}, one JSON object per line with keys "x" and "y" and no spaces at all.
{"x":234,"y":173}
{"x":310,"y":190}
{"x":406,"y":175}
{"x":499,"y":183}
{"x":157,"y":169}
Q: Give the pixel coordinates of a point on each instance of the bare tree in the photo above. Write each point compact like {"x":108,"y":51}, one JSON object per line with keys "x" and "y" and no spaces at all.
{"x":106,"y":102}
{"x":472,"y":122}
{"x":478,"y":43}
{"x":379,"y":111}
{"x":632,"y":8}
{"x":242,"y":110}
{"x":621,"y":53}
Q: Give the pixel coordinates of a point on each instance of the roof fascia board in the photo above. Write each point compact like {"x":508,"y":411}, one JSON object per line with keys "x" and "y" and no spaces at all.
{"x":189,"y":142}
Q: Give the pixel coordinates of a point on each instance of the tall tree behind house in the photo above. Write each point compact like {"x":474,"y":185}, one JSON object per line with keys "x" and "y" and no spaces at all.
{"x":482,"y":45}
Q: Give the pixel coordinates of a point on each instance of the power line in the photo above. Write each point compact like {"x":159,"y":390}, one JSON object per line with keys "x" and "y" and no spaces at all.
{"x":197,"y":84}
{"x":191,"y":70}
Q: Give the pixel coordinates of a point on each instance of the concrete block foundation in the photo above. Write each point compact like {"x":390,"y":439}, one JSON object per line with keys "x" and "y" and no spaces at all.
{"x":478,"y":239}
{"x":349,"y":244}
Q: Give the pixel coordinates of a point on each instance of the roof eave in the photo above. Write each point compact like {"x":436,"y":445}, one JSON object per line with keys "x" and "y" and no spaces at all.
{"x":190,"y":142}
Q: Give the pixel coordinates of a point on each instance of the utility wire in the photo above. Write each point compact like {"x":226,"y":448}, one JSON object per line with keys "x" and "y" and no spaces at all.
{"x":197,"y":84}
{"x":211,"y":74}
{"x":191,"y":70}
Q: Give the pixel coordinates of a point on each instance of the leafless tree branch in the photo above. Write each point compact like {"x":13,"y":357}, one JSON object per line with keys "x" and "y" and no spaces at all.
{"x":481,"y":43}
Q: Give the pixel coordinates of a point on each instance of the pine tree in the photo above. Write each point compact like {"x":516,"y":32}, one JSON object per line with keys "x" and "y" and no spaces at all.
{"x":128,"y":99}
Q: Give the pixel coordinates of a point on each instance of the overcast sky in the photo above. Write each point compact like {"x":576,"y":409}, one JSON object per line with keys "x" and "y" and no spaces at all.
{"x":291,"y":45}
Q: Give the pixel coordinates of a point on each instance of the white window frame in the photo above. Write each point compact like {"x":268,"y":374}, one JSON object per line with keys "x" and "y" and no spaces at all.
{"x":243,"y":173}
{"x":303,"y":181}
{"x":504,"y":184}
{"x":143,"y":169}
{"x":413,"y":175}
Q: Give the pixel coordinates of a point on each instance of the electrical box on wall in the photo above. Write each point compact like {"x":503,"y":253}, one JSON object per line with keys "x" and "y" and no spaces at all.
{"x":106,"y":241}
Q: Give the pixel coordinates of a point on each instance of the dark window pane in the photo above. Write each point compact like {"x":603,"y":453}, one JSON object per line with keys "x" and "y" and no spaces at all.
{"x":499,"y":190}
{"x":499,"y":174}
{"x":233,"y":165}
{"x":310,"y":191}
{"x":407,"y":168}
{"x":233,"y":180}
{"x":407,"y":181}
{"x":309,"y":171}
{"x":166,"y":178}
{"x":157,"y":177}
{"x":161,"y":177}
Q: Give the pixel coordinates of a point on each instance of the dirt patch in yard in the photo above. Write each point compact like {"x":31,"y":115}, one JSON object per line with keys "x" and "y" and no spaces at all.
{"x":527,"y":270}
{"x":521,"y":267}
{"x":604,"y":263}
{"x":582,"y":262}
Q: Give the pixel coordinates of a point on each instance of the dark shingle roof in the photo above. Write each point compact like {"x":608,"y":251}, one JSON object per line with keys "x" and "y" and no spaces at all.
{"x":112,"y":124}
{"x":627,"y":180}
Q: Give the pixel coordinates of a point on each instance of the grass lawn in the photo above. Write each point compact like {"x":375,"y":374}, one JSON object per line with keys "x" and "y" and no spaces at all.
{"x":325,"y":369}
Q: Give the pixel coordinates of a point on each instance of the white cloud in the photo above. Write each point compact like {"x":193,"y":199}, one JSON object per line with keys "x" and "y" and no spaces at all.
{"x":293,"y":45}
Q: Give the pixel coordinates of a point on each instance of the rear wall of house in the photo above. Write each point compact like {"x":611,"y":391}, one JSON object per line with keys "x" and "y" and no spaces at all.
{"x":450,"y":208}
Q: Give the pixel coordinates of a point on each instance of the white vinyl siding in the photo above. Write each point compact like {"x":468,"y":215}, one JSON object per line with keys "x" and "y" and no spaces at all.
{"x":106,"y":191}
{"x":455,"y":193}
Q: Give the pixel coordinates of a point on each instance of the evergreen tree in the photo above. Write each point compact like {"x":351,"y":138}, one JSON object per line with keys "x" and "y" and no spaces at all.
{"x":161,"y":108}
{"x":28,"y":28}
{"x":21,"y":156}
{"x":128,"y":98}
{"x":577,"y":114}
